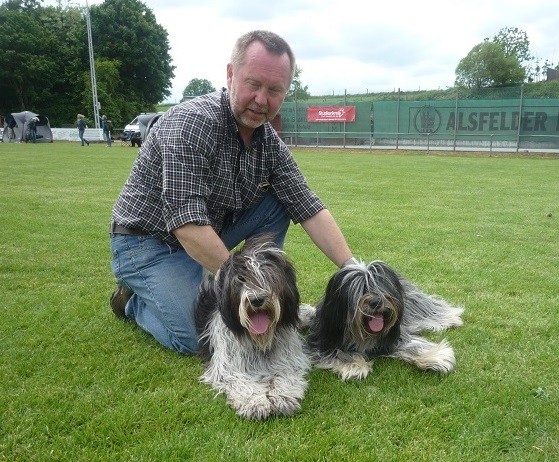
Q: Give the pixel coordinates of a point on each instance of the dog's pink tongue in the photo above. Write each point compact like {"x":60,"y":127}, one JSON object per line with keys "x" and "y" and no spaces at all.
{"x":376,"y":323}
{"x":259,"y":323}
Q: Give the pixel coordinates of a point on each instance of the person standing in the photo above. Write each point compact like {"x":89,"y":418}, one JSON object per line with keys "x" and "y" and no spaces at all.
{"x":12,"y":124}
{"x":32,"y":125}
{"x":210,"y":174}
{"x":107,"y":126}
{"x":82,"y":125}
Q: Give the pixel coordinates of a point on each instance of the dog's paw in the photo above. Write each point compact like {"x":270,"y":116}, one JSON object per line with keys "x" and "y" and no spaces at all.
{"x":348,"y":366}
{"x":284,"y":405}
{"x":358,"y":369}
{"x":257,"y":407}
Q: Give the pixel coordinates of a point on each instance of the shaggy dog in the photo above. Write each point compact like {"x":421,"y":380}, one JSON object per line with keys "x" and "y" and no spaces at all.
{"x":370,"y":310}
{"x":247,"y":318}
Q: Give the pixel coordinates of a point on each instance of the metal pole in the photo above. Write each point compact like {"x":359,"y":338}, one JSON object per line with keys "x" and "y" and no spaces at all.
{"x":296,"y":125}
{"x":519,"y":117}
{"x":398,"y":119}
{"x":455,"y":123}
{"x":345,"y":104}
{"x":92,"y":68}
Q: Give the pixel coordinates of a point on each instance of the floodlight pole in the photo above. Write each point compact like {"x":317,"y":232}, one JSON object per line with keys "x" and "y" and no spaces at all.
{"x":96,"y":104}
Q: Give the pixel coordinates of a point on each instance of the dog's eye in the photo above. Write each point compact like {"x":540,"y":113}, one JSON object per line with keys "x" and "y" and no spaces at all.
{"x":241,"y":278}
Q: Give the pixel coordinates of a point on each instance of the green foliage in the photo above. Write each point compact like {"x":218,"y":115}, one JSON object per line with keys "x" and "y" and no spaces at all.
{"x":28,"y":62}
{"x":132,"y":60}
{"x":127,"y":31}
{"x":514,"y":42}
{"x":197,"y":87}
{"x":79,"y":385}
{"x":487,"y":65}
{"x":531,"y":90}
{"x":297,"y":91}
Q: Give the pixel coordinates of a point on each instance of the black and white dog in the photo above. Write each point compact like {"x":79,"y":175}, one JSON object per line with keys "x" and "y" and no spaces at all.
{"x":247,"y":319}
{"x":370,"y":310}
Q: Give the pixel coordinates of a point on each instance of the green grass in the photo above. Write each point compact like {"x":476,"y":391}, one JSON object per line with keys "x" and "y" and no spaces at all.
{"x":76,"y":384}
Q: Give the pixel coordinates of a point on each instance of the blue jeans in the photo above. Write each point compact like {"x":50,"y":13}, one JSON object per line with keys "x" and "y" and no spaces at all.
{"x":165,"y":279}
{"x":80,"y":133}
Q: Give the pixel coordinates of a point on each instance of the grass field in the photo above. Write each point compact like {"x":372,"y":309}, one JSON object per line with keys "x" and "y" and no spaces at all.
{"x":76,"y":384}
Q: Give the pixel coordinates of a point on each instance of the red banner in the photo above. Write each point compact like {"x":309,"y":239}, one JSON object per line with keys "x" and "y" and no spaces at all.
{"x":331,"y":114}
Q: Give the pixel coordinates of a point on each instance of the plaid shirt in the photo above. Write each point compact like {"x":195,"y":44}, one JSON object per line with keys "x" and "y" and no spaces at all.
{"x":194,"y":168}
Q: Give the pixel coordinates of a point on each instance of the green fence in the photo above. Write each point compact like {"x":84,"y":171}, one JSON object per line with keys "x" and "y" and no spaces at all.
{"x":511,"y":122}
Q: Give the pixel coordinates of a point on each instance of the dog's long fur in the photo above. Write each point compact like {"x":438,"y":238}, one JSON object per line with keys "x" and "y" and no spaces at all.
{"x":370,"y":310}
{"x":259,"y":365}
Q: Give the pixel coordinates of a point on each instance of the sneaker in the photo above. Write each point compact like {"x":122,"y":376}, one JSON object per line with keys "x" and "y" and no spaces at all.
{"x":118,"y":301}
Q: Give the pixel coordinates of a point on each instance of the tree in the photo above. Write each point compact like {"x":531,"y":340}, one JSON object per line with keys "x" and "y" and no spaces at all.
{"x":487,"y":65}
{"x":297,"y":91}
{"x":126,"y":32}
{"x":132,"y":60}
{"x":197,"y":87}
{"x":515,"y":43}
{"x":28,"y":62}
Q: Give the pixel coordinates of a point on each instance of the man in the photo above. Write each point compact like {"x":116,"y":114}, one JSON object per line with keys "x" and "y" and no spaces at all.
{"x":33,"y":129}
{"x":211,"y":173}
{"x":107,"y":127}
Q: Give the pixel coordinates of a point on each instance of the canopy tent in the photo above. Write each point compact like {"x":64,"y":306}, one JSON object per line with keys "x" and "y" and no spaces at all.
{"x":16,"y":127}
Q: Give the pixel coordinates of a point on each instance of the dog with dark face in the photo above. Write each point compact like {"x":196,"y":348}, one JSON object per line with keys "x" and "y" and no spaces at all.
{"x":247,"y":318}
{"x":369,"y":310}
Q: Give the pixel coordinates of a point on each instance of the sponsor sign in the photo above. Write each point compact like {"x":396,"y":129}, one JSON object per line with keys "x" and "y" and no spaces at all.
{"x":331,"y":114}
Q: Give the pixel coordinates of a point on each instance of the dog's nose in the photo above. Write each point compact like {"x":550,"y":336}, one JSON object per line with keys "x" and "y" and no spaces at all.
{"x":257,"y":300}
{"x":375,"y":303}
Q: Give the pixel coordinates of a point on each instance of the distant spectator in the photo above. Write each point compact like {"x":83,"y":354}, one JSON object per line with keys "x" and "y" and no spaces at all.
{"x":82,"y":125}
{"x":107,"y":126}
{"x":11,"y":125}
{"x":32,"y":125}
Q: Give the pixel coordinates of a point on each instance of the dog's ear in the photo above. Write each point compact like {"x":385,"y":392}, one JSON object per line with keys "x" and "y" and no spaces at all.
{"x":330,"y":322}
{"x":290,"y":297}
{"x":228,"y":295}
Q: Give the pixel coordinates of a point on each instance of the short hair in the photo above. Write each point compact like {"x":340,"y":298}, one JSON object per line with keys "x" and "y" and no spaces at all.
{"x":272,"y":42}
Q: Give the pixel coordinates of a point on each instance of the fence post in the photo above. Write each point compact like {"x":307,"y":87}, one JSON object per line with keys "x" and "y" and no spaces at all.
{"x":398,"y":119}
{"x":455,"y":123}
{"x":519,"y":117}
{"x":296,"y":125}
{"x":345,"y":104}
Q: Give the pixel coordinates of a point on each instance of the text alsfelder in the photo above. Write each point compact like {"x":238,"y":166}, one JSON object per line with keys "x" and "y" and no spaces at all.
{"x":494,"y":121}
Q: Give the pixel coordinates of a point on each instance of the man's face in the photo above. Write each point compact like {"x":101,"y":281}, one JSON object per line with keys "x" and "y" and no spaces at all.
{"x":258,"y":87}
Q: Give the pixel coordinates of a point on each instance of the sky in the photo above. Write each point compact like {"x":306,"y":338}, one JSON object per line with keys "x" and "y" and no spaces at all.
{"x":353,"y":46}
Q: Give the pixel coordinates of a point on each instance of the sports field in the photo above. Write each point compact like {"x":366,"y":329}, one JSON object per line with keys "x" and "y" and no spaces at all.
{"x":480,"y":231}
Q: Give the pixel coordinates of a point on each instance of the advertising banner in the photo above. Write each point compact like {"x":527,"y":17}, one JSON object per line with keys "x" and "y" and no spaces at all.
{"x":331,"y":114}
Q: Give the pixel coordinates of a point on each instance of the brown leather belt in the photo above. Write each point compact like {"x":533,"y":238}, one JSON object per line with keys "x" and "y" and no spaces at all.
{"x":119,"y":229}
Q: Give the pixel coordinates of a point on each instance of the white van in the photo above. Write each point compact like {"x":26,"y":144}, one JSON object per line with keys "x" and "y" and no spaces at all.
{"x":137,"y":130}
{"x":132,"y":133}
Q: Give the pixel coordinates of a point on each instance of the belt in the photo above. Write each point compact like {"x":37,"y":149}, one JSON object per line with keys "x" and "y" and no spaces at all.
{"x":119,"y":229}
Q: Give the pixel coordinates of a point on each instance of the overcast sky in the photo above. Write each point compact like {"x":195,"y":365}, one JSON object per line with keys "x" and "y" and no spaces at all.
{"x":356,"y":46}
